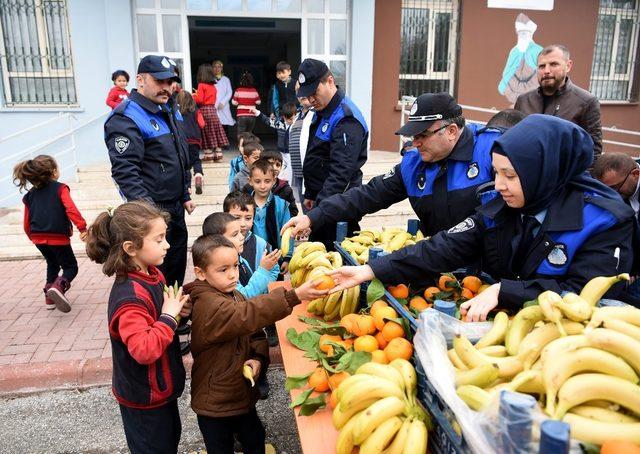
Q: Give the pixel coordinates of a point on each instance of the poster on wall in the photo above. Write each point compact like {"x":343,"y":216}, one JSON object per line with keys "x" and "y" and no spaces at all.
{"x":540,"y":5}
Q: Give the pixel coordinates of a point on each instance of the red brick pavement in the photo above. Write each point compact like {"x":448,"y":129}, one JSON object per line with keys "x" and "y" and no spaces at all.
{"x":42,"y":349}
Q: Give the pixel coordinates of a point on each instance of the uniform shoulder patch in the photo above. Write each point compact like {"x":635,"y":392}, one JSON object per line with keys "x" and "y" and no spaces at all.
{"x":390,"y":173}
{"x":121,"y":143}
{"x":464,"y":226}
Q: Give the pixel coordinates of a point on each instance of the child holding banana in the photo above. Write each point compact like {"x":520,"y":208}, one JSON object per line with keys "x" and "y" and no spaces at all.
{"x":226,"y":337}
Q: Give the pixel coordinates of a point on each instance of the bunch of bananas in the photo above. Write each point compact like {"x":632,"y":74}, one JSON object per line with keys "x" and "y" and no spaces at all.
{"x":389,"y":239}
{"x":583,"y":362}
{"x":377,"y":410}
{"x":311,"y":261}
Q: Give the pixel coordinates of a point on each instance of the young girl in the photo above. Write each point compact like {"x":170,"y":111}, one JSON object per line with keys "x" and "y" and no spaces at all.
{"x":246,"y":98}
{"x":48,"y":213}
{"x":148,"y":374}
{"x":193,"y":123}
{"x":119,"y":92}
{"x":213,"y":136}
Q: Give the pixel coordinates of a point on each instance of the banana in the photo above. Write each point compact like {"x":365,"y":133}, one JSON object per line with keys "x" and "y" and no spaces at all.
{"x":328,"y":316}
{"x":384,"y":371}
{"x":408,"y":374}
{"x":475,"y":397}
{"x":528,"y":379}
{"x":455,"y":360}
{"x":398,"y":241}
{"x":349,"y":382}
{"x":332,"y":301}
{"x":298,"y":277}
{"x":419,"y":236}
{"x":584,"y":387}
{"x":595,"y":289}
{"x":374,"y":388}
{"x":409,"y":242}
{"x":627,"y":313}
{"x":520,"y":326}
{"x":355,"y":299}
{"x":499,"y":351}
{"x":285,"y":241}
{"x":364,"y":240}
{"x":320,"y":261}
{"x":598,"y":432}
{"x":340,"y":418}
{"x":311,"y":256}
{"x":498,"y":331}
{"x":381,"y":436}
{"x":322,"y":304}
{"x":537,"y":339}
{"x":375,"y":415}
{"x":547,"y":302}
{"x":363,"y":257}
{"x":567,"y":364}
{"x":344,"y":442}
{"x":481,"y":376}
{"x":622,"y":327}
{"x":603,"y":414}
{"x":313,"y":305}
{"x":508,"y":367}
{"x":346,"y":302}
{"x":617,"y":343}
{"x":574,"y":307}
{"x":417,"y":438}
{"x":563,"y":344}
{"x":247,"y":372}
{"x":315,"y":273}
{"x":335,"y":258}
{"x":400,"y":440}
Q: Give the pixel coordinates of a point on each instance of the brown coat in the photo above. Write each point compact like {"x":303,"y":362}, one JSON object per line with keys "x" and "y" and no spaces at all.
{"x":571,"y":103}
{"x":226,"y":331}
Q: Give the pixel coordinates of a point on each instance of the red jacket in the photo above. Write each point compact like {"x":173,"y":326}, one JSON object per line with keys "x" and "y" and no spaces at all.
{"x":206,"y":95}
{"x":116,"y":96}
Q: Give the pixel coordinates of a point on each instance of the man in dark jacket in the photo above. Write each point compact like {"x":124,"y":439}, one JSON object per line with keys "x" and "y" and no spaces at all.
{"x":149,"y":154}
{"x":558,"y":96}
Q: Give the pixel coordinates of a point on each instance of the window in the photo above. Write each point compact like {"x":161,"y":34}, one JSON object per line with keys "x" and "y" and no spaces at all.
{"x":616,"y":51}
{"x":35,"y":53}
{"x":428,"y":46}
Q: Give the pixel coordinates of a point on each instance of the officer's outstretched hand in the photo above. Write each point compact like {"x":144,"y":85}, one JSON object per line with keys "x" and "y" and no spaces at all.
{"x":301,"y":226}
{"x":350,"y":276}
{"x":476,"y":309}
{"x":189,"y":206}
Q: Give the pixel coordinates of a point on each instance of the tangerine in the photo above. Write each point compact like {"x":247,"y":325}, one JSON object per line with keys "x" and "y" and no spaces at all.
{"x":399,"y":291}
{"x":378,"y":356}
{"x":319,"y":380}
{"x":382,"y":342}
{"x":430,"y":293}
{"x":382,"y":314}
{"x":326,"y":283}
{"x":398,"y":348}
{"x":348,"y":321}
{"x":366,"y":343}
{"x":336,"y":379}
{"x":419,"y":303}
{"x":392,"y":330}
{"x":447,"y":283}
{"x":333,"y":400}
{"x":364,"y":324}
{"x":324,"y":342}
{"x":377,"y":305}
{"x":619,"y":447}
{"x":466,"y":293}
{"x":473,"y":283}
{"x":347,"y":344}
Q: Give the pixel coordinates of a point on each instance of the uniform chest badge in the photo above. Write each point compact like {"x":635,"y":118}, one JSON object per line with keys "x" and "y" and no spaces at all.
{"x":464,"y":226}
{"x":422,"y":181}
{"x":155,"y":124}
{"x":325,"y":127}
{"x":473,"y":171}
{"x":121,"y":144}
{"x":558,"y":255}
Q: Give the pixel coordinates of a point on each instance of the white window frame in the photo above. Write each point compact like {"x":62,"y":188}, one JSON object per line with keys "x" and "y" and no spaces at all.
{"x":46,"y":70}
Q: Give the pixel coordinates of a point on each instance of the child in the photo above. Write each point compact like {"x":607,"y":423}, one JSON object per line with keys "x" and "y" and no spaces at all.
{"x":253,"y":281}
{"x":281,"y":188}
{"x":283,"y":91}
{"x":237,"y":163}
{"x":193,"y":122}
{"x":250,"y":154}
{"x":227,"y":335}
{"x":148,"y":374}
{"x":213,"y":136}
{"x":118,"y":92}
{"x":246,"y":98}
{"x":297,"y":145}
{"x":48,"y":213}
{"x":288,"y":112}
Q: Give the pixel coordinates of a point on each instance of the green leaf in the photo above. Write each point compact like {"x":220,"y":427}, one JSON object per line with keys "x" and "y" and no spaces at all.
{"x":302,"y":398}
{"x":312,"y":405}
{"x":375,"y":291}
{"x":351,"y":361}
{"x":531,"y":303}
{"x":307,"y":340}
{"x":323,"y":327}
{"x":296,"y":381}
{"x":402,"y":301}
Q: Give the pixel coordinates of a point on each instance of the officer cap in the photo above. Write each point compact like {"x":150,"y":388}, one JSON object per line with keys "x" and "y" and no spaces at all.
{"x":309,"y":74}
{"x":426,"y":110}
{"x":158,"y":66}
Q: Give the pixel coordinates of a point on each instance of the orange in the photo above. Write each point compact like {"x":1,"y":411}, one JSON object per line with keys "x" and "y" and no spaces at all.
{"x":319,"y":380}
{"x":378,"y":356}
{"x":472,"y":283}
{"x":398,"y":348}
{"x":419,"y":303}
{"x":619,"y":447}
{"x":347,"y":343}
{"x":333,"y":400}
{"x":392,"y":330}
{"x":382,"y":342}
{"x":466,"y":293}
{"x":323,"y":343}
{"x":348,"y":321}
{"x":336,"y":379}
{"x":430,"y":293}
{"x":381,"y":314}
{"x":447,"y":283}
{"x":364,"y":324}
{"x":366,"y":343}
{"x":399,"y":291}
{"x":326,"y":282}
{"x":377,"y":305}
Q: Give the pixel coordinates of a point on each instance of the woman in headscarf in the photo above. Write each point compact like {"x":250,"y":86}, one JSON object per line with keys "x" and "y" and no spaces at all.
{"x":547,"y":225}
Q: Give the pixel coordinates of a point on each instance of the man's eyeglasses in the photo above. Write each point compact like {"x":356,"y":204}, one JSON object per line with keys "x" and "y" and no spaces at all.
{"x":427,"y":133}
{"x":616,"y":187}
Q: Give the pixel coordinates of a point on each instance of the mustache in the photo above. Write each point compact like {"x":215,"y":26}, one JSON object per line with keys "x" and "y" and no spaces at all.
{"x":163,"y":92}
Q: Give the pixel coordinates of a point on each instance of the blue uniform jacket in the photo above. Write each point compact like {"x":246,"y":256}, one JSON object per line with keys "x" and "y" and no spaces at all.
{"x":148,"y":151}
{"x":441,"y":193}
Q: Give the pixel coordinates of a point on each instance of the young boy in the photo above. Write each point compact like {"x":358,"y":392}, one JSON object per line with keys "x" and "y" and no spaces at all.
{"x":227,"y":336}
{"x":283,"y":91}
{"x":281,"y":187}
{"x":237,"y":163}
{"x":250,"y":154}
{"x":288,"y":112}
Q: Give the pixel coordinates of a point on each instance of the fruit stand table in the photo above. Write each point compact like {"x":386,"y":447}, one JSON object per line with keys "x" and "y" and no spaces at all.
{"x":317,"y":435}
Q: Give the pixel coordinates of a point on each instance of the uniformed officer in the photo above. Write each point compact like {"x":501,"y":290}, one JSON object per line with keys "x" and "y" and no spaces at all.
{"x":149,"y":154}
{"x":337,"y":146}
{"x":547,"y":226}
{"x":440,"y":175}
